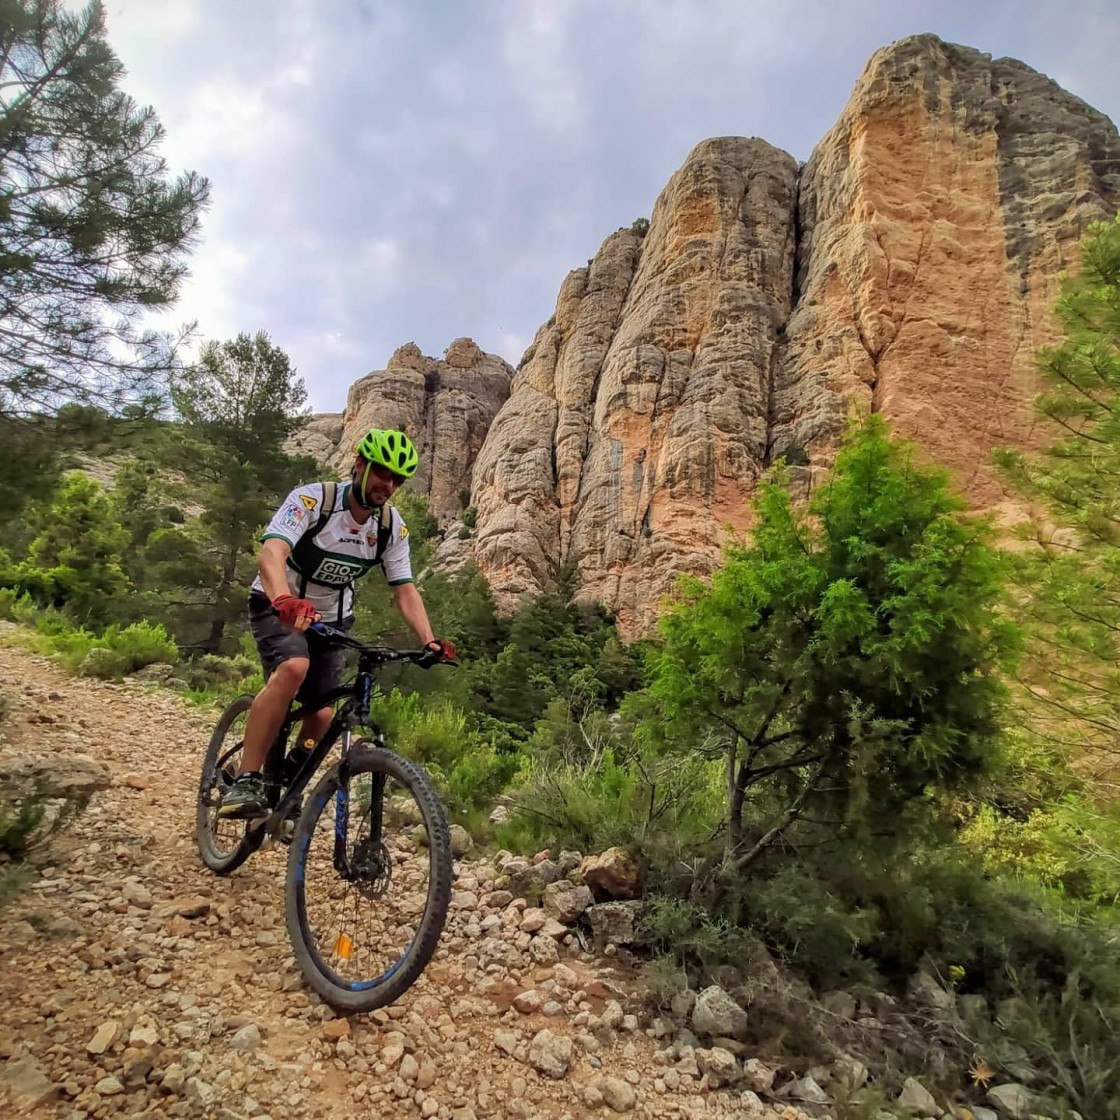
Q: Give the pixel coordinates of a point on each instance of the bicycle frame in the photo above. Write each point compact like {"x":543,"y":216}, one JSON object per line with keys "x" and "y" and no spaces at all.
{"x":353,"y":712}
{"x":356,"y":697}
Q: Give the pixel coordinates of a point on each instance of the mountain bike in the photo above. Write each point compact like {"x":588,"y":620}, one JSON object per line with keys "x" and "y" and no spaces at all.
{"x":369,"y":869}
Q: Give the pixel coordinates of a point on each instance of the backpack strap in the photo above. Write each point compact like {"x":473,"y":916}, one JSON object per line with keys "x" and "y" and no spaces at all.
{"x":326,"y":508}
{"x":330,"y":491}
{"x":384,"y":530}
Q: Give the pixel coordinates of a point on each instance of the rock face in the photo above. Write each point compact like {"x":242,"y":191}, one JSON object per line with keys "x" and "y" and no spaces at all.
{"x":446,"y":407}
{"x":935,"y":218}
{"x":319,"y":437}
{"x":637,"y":423}
{"x":909,"y":269}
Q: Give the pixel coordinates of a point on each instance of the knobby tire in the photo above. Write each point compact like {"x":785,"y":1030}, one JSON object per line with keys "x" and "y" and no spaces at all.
{"x":395,"y":981}
{"x":219,"y":861}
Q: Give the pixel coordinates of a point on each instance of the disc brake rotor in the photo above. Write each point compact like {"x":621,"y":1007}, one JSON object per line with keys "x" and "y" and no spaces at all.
{"x":370,"y":868}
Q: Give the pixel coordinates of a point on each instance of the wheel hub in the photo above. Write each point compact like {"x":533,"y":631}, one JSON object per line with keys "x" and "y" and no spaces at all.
{"x":370,"y":868}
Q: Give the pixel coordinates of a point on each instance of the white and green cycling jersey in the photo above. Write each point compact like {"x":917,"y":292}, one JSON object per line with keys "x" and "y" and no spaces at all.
{"x":325,"y":563}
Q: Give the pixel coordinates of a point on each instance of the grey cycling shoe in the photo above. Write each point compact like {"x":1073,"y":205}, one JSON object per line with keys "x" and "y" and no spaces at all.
{"x":245,"y":800}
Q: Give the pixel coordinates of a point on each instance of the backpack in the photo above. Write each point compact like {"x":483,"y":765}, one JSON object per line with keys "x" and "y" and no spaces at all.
{"x":339,"y":574}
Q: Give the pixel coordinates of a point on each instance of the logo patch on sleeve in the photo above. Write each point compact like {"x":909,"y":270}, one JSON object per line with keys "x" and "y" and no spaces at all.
{"x":404,"y":531}
{"x":308,"y":501}
{"x":292,"y":517}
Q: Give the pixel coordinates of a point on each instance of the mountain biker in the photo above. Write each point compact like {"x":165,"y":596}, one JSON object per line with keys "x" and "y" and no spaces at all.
{"x":322,"y":538}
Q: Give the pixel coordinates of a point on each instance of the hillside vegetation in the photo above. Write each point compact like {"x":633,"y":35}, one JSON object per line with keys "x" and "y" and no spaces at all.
{"x":836,"y":765}
{"x":865,"y":773}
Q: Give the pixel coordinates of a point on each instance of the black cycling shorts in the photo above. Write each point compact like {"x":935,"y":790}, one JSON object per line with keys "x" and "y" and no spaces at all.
{"x":277,"y":642}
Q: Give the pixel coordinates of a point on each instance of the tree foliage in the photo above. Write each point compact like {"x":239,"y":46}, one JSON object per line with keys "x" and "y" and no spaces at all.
{"x":848,"y":658}
{"x":242,"y":396}
{"x":93,"y":228}
{"x":239,"y":403}
{"x":1070,"y":577}
{"x":75,"y":558}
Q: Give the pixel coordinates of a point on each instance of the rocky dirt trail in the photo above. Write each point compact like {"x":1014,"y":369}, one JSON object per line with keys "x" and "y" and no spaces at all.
{"x":135,"y":983}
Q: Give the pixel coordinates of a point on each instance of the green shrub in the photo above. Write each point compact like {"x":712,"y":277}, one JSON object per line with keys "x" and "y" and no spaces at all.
{"x":661,"y":808}
{"x":810,"y":924}
{"x":1069,"y":845}
{"x":120,"y":651}
{"x":29,"y":817}
{"x":18,"y":606}
{"x":212,"y":672}
{"x":662,"y":978}
{"x":504,"y":737}
{"x":11,"y":603}
{"x":21,"y":814}
{"x":114,"y":652}
{"x":468,"y":771}
{"x":1069,"y":1036}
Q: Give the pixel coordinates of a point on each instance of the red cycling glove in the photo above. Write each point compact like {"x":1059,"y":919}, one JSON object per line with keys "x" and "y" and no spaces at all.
{"x":441,"y":650}
{"x":297,"y":613}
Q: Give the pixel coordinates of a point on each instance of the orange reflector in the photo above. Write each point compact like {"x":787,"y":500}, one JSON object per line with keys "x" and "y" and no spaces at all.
{"x":343,"y":947}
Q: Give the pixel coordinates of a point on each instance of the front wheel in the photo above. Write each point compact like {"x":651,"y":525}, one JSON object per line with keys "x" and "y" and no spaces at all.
{"x":224,"y":844}
{"x":369,"y":880}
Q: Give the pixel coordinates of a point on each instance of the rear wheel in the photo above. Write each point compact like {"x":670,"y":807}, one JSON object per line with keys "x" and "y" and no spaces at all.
{"x":224,"y":844}
{"x":369,"y":880}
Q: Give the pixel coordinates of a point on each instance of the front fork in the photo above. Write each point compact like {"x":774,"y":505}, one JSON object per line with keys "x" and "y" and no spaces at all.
{"x":342,"y":804}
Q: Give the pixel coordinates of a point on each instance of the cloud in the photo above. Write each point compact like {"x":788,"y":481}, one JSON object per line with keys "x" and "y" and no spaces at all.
{"x":386,"y":171}
{"x":536,"y":48}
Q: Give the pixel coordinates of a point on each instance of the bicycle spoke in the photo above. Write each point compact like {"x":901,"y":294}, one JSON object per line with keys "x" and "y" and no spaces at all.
{"x":361,"y":923}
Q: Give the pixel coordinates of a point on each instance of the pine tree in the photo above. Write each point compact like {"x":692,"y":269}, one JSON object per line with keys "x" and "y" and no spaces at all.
{"x":75,"y":560}
{"x":93,"y":229}
{"x":846,"y":660}
{"x":1070,"y":577}
{"x":239,"y":403}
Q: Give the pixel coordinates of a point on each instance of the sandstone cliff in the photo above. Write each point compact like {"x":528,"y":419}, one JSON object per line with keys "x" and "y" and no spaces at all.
{"x":936,"y":217}
{"x":445,"y":406}
{"x":638,"y":419}
{"x":319,"y":437}
{"x":908,"y":269}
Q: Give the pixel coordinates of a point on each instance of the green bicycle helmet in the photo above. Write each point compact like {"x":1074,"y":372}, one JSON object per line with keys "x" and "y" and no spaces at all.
{"x":393,"y":450}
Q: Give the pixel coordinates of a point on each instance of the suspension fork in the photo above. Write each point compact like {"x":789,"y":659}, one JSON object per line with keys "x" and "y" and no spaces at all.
{"x":375,"y":811}
{"x":342,"y":809}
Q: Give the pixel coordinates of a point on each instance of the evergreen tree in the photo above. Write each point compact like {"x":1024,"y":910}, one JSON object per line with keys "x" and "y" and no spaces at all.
{"x":847,"y":659}
{"x":239,"y":404}
{"x":1070,"y":578}
{"x":29,"y":463}
{"x":93,"y":230}
{"x":242,"y":396}
{"x":75,"y":559}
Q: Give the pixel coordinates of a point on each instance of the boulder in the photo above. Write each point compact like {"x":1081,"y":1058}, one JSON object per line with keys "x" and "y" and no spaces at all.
{"x":716,"y":1014}
{"x":612,"y":873}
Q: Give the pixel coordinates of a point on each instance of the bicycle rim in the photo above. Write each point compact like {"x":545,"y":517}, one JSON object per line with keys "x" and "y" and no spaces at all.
{"x":369,"y":881}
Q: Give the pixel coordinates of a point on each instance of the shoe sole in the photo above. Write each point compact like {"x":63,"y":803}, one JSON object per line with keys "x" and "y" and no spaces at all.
{"x":242,"y":813}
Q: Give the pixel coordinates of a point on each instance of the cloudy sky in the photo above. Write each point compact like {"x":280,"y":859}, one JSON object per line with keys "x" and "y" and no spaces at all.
{"x":386,"y":171}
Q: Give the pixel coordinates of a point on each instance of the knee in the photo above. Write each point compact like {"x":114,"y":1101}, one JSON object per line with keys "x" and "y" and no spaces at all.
{"x":289,"y":675}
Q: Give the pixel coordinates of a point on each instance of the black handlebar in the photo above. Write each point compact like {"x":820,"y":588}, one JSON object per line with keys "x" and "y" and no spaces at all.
{"x":381,"y":655}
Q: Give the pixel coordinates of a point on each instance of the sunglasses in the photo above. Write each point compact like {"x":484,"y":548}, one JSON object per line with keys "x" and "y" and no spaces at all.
{"x":385,"y":474}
